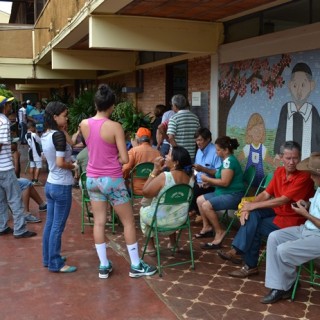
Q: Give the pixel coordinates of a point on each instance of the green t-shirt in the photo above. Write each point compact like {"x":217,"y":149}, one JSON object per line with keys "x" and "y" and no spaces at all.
{"x":237,"y":184}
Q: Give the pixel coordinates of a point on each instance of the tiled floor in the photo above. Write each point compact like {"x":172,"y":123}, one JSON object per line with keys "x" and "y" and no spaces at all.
{"x":29,"y":291}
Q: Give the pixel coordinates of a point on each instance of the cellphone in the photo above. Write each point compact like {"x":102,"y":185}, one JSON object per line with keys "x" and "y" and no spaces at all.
{"x":296,"y":206}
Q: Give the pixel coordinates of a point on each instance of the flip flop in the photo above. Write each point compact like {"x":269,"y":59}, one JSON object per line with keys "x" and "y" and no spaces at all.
{"x":207,"y":234}
{"x":67,"y":269}
{"x":211,"y":246}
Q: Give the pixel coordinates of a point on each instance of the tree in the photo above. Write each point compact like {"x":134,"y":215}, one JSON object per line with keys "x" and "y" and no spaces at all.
{"x":5,"y":92}
{"x":235,"y":78}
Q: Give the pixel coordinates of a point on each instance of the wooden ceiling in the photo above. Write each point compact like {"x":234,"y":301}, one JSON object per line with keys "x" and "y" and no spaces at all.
{"x":202,"y":10}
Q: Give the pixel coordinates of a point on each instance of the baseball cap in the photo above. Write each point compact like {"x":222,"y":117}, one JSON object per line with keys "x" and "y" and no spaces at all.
{"x":143,"y":132}
{"x":4,"y":100}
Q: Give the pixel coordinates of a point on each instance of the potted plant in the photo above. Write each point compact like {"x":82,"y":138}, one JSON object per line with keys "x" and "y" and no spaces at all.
{"x":130,"y":119}
{"x":81,"y":108}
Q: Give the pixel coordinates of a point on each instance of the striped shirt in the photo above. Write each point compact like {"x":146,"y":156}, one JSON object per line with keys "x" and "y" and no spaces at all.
{"x":183,"y":126}
{"x":6,"y":162}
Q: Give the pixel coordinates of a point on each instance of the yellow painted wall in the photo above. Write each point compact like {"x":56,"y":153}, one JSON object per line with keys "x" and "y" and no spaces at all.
{"x":16,"y":44}
{"x":55,"y":15}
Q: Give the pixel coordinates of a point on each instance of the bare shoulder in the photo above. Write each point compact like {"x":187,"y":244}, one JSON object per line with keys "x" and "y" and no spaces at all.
{"x":84,"y":122}
{"x":116,"y":126}
{"x":114,"y":123}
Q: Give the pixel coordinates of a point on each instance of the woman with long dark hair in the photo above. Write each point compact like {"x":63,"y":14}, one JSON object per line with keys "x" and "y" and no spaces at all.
{"x":107,"y":151}
{"x":229,"y":189}
{"x":179,"y":164}
{"x":58,"y":186}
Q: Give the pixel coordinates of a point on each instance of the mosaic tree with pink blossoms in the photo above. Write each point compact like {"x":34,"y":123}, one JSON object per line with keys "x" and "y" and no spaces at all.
{"x":255,"y":74}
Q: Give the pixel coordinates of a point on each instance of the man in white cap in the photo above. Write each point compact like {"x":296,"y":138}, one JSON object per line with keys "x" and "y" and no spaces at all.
{"x":291,"y":247}
{"x":29,"y":107}
{"x":10,"y":193}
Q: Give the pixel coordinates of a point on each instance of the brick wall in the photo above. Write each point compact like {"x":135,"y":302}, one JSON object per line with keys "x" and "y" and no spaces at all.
{"x":154,"y":89}
{"x":155,"y":83}
{"x":198,"y":75}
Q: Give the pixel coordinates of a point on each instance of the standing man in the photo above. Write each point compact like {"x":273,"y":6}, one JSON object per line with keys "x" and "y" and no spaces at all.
{"x":183,"y":125}
{"x":270,"y":211}
{"x":37,"y":116}
{"x":162,"y":138}
{"x":10,"y":193}
{"x":29,"y":107}
{"x":22,"y":117}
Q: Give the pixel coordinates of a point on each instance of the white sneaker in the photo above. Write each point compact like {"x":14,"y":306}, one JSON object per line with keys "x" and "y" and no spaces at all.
{"x":32,"y":219}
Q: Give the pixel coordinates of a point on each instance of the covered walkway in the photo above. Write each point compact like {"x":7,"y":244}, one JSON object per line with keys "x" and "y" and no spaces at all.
{"x":28,"y":291}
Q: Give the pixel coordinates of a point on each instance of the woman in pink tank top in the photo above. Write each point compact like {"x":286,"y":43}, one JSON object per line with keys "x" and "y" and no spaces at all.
{"x":107,"y":153}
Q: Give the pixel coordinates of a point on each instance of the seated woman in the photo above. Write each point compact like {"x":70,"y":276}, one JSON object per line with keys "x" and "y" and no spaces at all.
{"x":178,"y":162}
{"x":229,"y":189}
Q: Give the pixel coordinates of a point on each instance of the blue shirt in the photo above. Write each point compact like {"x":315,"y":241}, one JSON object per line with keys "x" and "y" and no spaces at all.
{"x":207,"y":158}
{"x":29,"y":109}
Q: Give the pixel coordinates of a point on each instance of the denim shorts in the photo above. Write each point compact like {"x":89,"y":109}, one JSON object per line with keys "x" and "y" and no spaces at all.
{"x":108,"y":189}
{"x":224,"y":201}
{"x":24,"y":183}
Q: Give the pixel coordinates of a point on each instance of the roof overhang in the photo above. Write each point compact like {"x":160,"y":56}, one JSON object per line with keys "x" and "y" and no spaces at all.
{"x":153,"y":34}
{"x":92,"y":60}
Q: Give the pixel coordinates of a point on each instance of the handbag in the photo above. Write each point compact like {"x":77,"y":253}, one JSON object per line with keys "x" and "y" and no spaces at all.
{"x":240,"y":205}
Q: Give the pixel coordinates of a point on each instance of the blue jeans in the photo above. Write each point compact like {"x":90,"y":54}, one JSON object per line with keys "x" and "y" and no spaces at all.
{"x":164,"y":149}
{"x":23,"y":131}
{"x":59,"y":199}
{"x":10,"y":194}
{"x":248,"y":238}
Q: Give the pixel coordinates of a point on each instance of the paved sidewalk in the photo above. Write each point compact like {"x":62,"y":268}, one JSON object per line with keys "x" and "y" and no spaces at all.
{"x":28,"y":291}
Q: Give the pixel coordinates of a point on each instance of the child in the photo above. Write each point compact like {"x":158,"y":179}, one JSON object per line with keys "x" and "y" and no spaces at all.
{"x":34,"y":152}
{"x":254,"y":150}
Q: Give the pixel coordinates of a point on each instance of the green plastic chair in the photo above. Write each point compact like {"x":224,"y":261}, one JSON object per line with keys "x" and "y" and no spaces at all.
{"x":175,"y":195}
{"x":313,"y":277}
{"x":140,"y":171}
{"x":262,"y":186}
{"x":85,"y":208}
{"x":264,"y":183}
{"x":248,"y":178}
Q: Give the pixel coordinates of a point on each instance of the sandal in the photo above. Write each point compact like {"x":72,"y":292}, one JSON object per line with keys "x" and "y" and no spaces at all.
{"x":68,"y":269}
{"x":207,"y":234}
{"x":210,"y":246}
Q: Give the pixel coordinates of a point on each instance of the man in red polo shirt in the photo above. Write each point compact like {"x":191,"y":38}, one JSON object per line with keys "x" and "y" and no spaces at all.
{"x":270,"y":211}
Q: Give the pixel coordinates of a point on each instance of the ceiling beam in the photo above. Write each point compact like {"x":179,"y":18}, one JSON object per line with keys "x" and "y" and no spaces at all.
{"x":39,"y":86}
{"x":154,"y":34}
{"x":45,"y":72}
{"x":92,"y":60}
{"x":15,"y":68}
